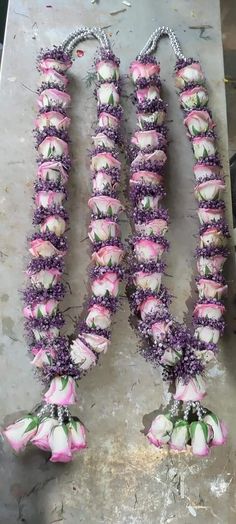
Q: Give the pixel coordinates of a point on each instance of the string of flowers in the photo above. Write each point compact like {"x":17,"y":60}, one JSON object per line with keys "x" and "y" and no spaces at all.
{"x":61,"y":364}
{"x":181,"y":354}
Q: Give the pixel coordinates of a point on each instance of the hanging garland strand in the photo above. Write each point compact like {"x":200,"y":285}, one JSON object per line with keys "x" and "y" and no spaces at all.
{"x":52,"y":427}
{"x":181,"y":353}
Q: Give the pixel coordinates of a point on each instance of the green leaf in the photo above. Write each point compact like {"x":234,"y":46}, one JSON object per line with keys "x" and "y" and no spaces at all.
{"x":33,"y":424}
{"x":194,"y":131}
{"x":198,"y":101}
{"x":109,"y":211}
{"x":64,"y":382}
{"x":39,"y":314}
{"x":207,"y":271}
{"x":66,"y":429}
{"x":205,"y":153}
{"x":111,"y":100}
{"x":179,"y":423}
{"x":147,"y":205}
{"x":109,"y":263}
{"x":73,"y":423}
{"x":97,"y":238}
{"x":49,"y":150}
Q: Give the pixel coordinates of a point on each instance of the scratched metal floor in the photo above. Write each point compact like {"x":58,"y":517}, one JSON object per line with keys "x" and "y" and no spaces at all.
{"x":120,"y":478}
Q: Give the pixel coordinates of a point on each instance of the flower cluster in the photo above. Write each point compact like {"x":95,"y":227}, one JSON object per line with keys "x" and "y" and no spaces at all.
{"x":61,"y":363}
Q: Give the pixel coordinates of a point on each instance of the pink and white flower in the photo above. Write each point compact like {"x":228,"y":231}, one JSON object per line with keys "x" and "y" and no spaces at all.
{"x":157,"y":226}
{"x":206,"y":215}
{"x":52,"y":118}
{"x":212,"y":237}
{"x":157,"y":117}
{"x":212,"y":311}
{"x":61,"y":391}
{"x":180,"y":435}
{"x":193,"y":390}
{"x":60,"y":444}
{"x":203,"y":146}
{"x":45,"y":278}
{"x":200,"y":435}
{"x":151,"y":138}
{"x":44,"y":430}
{"x":170,"y":357}
{"x":195,"y":97}
{"x":147,"y":250}
{"x":106,"y":205}
{"x":52,"y":171}
{"x":160,"y":430}
{"x":145,"y":280}
{"x":146,"y":177}
{"x":102,"y":181}
{"x":54,"y":224}
{"x":150,"y":305}
{"x":107,"y":93}
{"x":141,"y":70}
{"x":160,"y":329}
{"x":52,"y":76}
{"x":57,"y":65}
{"x":77,"y":435}
{"x":103,"y":229}
{"x":209,"y":190}
{"x":189,"y":74}
{"x":21,"y":432}
{"x":204,"y":171}
{"x":82,"y":355}
{"x":107,"y":283}
{"x":207,"y":334}
{"x":210,"y":265}
{"x":101,"y":139}
{"x":52,"y":97}
{"x":149,"y":202}
{"x":52,"y":146}
{"x":156,"y":156}
{"x":99,"y":317}
{"x":44,"y":248}
{"x":49,"y":334}
{"x":49,"y":198}
{"x":108,"y":256}
{"x":42,"y":358}
{"x":211,"y":289}
{"x":97,"y":342}
{"x":218,"y":427}
{"x":107,"y":120}
{"x":103,"y":161}
{"x":148,"y":93}
{"x":107,"y":70}
{"x":198,"y":122}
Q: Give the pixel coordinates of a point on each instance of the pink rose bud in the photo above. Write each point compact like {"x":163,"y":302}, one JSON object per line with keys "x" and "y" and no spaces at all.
{"x":52,"y":146}
{"x":49,"y":198}
{"x":160,"y":329}
{"x":150,"y":280}
{"x":141,"y":70}
{"x":81,"y":355}
{"x":101,"y":139}
{"x":207,"y":334}
{"x":44,"y":430}
{"x":106,"y":284}
{"x":198,"y":122}
{"x":148,"y":93}
{"x":42,"y":309}
{"x":51,"y":76}
{"x":108,"y":256}
{"x":180,"y":435}
{"x":211,"y":289}
{"x":196,"y":97}
{"x":212,"y":311}
{"x":107,"y":120}
{"x":54,"y":224}
{"x":98,"y":317}
{"x":52,"y":97}
{"x":45,"y":278}
{"x":194,"y":389}
{"x":21,"y":432}
{"x":97,"y":342}
{"x":149,"y":202}
{"x":151,"y":138}
{"x":107,"y":93}
{"x":150,"y":306}
{"x":103,"y":161}
{"x":209,"y":190}
{"x":60,"y":444}
{"x":52,"y":171}
{"x":102,"y":230}
{"x":77,"y":435}
{"x":106,"y":205}
{"x":52,"y":118}
{"x":170,"y":357}
{"x":153,"y":227}
{"x":57,"y":65}
{"x":107,"y":70}
{"x":212,"y":237}
{"x":199,"y":432}
{"x":218,"y":427}
{"x":157,"y":118}
{"x":189,"y":74}
{"x":156,"y":156}
{"x":203,"y":146}
{"x":43,"y":248}
{"x":49,"y":334}
{"x":61,"y":391}
{"x":206,"y":215}
{"x":147,"y":250}
{"x":205,"y":171}
{"x":160,"y":430}
{"x":43,"y":357}
{"x":102,"y":181}
{"x":146,"y":177}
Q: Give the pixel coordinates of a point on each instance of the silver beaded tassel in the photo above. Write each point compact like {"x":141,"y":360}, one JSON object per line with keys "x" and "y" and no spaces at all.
{"x":152,"y":42}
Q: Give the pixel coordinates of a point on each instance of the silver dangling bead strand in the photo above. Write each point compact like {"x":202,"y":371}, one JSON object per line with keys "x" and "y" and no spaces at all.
{"x":60,"y":414}
{"x":152,"y":42}
{"x":67,"y":413}
{"x":42,"y":411}
{"x":174,"y":408}
{"x":85,"y":33}
{"x":187,"y":410}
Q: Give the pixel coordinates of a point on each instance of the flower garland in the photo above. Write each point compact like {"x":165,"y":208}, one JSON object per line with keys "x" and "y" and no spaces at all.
{"x":61,"y":364}
{"x":181,"y":353}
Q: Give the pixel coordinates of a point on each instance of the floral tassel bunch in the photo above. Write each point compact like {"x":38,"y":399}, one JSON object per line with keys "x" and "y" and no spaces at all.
{"x":53,"y":428}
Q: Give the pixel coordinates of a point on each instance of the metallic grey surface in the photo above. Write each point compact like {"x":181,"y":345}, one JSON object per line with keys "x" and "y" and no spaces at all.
{"x":120,"y":479}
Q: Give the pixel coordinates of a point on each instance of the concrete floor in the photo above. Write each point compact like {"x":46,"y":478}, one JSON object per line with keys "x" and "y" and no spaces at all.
{"x":120,"y":479}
